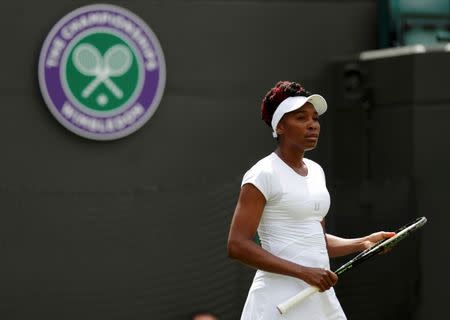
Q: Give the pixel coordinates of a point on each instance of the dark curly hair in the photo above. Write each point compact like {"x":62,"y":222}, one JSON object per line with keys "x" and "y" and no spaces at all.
{"x":281,"y":91}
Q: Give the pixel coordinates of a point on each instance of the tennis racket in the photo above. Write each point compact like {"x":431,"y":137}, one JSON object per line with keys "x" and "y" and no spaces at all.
{"x":379,"y":247}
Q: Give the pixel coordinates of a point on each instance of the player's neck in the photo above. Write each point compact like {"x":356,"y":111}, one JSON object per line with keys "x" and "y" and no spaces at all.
{"x":294,"y":158}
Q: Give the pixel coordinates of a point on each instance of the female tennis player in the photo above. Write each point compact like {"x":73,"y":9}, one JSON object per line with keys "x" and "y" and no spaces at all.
{"x":284,"y":198}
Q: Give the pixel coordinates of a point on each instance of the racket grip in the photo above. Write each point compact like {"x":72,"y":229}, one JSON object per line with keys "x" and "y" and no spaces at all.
{"x":288,"y":304}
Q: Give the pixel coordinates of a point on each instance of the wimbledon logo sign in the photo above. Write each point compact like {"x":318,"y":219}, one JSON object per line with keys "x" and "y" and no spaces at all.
{"x":102,"y":72}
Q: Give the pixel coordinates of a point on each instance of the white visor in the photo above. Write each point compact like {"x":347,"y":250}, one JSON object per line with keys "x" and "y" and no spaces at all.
{"x":293,"y":103}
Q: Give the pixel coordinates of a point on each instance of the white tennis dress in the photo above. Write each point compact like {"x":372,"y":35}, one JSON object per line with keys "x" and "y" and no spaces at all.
{"x":290,"y":228}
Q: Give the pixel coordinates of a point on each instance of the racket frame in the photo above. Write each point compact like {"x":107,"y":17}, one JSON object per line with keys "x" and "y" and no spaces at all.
{"x":379,"y":247}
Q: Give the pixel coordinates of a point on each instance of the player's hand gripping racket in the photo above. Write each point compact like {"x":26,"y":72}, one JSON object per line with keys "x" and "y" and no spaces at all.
{"x":379,"y":247}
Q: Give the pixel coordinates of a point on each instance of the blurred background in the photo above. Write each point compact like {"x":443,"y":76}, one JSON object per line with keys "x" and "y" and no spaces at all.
{"x":136,"y":228}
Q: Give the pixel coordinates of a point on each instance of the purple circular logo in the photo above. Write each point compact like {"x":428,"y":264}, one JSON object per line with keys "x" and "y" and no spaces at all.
{"x":102,"y":72}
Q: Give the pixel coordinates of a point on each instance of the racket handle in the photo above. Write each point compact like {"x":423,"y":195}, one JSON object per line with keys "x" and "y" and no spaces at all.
{"x":288,"y":304}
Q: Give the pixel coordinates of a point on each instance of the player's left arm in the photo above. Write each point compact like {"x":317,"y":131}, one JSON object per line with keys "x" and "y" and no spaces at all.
{"x":338,"y":246}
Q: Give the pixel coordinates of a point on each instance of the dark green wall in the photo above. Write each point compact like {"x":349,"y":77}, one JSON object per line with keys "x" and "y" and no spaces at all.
{"x":136,"y":228}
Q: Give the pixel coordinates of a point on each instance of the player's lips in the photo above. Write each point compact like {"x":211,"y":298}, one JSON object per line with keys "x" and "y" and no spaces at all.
{"x":312,"y":136}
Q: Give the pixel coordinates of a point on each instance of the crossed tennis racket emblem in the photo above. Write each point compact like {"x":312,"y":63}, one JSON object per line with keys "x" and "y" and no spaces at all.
{"x":114,"y":63}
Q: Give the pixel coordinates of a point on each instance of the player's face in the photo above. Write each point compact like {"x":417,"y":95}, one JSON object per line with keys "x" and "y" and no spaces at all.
{"x":300,"y":128}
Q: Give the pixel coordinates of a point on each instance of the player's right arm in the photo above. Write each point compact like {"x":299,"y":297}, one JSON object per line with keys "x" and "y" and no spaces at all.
{"x":242,"y":247}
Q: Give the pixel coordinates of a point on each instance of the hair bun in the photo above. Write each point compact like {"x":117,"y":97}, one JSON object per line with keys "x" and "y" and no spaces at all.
{"x":281,"y":91}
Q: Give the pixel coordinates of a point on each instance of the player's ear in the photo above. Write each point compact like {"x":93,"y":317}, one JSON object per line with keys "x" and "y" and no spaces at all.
{"x":280,"y":128}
